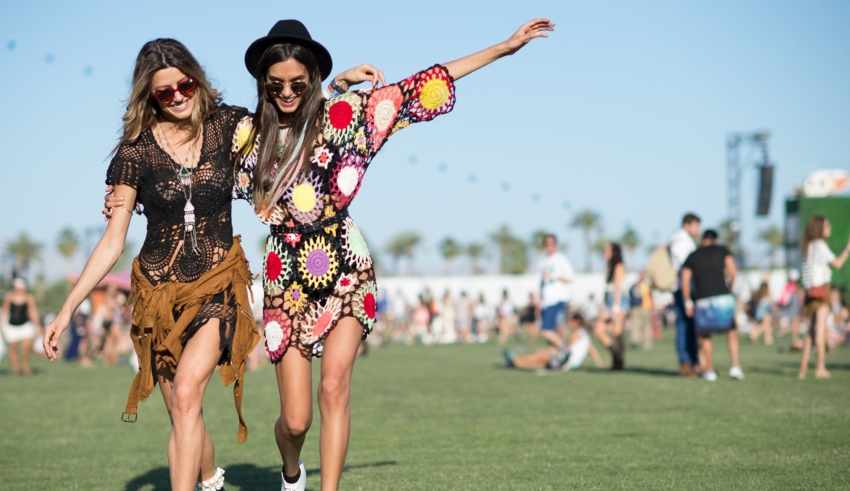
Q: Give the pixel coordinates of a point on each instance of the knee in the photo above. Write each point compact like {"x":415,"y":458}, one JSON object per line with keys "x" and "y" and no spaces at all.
{"x":333,"y":392}
{"x":186,"y":398}
{"x":295,"y":425}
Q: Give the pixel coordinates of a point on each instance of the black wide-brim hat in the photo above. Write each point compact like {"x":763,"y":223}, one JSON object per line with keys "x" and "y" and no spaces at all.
{"x":293,"y":32}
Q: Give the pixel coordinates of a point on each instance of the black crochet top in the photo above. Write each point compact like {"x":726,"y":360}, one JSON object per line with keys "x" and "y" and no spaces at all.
{"x":147,"y":167}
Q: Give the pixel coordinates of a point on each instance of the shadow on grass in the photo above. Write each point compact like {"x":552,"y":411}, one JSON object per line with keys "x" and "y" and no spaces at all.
{"x":245,"y":476}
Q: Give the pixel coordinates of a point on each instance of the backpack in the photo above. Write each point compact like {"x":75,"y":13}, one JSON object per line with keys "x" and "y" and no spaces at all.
{"x":660,"y":269}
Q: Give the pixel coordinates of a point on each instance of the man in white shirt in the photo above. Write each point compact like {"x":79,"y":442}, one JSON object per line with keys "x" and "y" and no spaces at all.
{"x":681,"y":246}
{"x":555,"y":272}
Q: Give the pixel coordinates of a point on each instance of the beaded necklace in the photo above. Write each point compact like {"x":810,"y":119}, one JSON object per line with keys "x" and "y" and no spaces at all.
{"x":184,"y":175}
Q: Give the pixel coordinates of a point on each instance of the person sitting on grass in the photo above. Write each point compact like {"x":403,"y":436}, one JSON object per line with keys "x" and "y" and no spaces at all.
{"x":578,"y":347}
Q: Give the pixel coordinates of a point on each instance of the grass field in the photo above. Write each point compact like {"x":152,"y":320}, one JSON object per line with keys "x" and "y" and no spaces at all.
{"x":451,"y":417}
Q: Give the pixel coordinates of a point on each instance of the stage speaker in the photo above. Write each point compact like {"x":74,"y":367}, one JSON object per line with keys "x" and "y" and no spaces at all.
{"x":765,"y":190}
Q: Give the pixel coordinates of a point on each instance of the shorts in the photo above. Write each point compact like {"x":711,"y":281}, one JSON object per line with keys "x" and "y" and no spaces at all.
{"x":16,"y":334}
{"x":625,"y":304}
{"x":552,"y":316}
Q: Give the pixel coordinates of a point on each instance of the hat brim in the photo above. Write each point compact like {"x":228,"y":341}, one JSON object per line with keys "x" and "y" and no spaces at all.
{"x":258,"y":47}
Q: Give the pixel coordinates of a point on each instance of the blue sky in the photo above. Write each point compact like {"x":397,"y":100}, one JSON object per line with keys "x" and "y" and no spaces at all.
{"x":624,"y":109}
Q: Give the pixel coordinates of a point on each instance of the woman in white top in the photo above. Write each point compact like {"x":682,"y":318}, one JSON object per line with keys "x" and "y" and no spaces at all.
{"x":817,"y":275}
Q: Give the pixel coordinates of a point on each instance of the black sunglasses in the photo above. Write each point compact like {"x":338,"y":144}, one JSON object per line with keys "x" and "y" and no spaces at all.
{"x":297,"y":88}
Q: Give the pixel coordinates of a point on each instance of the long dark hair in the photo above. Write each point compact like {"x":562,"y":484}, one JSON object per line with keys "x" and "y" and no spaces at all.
{"x":142,"y":110}
{"x":616,"y":258}
{"x":273,"y":172}
{"x":814,"y":231}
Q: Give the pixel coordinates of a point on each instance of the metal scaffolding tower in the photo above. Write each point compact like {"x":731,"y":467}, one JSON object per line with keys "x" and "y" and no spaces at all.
{"x":734,"y":142}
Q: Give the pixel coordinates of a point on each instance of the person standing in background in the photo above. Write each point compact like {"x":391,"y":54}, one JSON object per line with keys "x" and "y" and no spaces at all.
{"x":20,"y":326}
{"x":817,"y":276}
{"x":641,"y":312}
{"x":791,"y":307}
{"x":705,"y":274}
{"x":681,"y":246}
{"x":555,"y":273}
{"x":763,"y":315}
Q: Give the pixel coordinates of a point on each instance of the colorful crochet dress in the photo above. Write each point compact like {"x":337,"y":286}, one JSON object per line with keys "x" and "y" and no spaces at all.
{"x":317,"y":268}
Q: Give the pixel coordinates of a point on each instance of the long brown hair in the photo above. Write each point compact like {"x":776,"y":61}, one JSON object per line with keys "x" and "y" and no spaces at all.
{"x":616,"y":258}
{"x":814,"y":231}
{"x":275,"y":172}
{"x":143,"y":110}
{"x":762,"y":292}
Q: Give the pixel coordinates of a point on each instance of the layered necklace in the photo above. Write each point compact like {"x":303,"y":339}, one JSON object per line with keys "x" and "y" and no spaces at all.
{"x":184,"y":175}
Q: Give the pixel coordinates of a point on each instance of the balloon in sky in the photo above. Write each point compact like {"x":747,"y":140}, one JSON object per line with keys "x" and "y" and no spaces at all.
{"x":48,"y":59}
{"x":472,"y":178}
{"x":506,"y":186}
{"x":536,"y":196}
{"x":566,"y":205}
{"x":87,"y":71}
{"x":443,"y":167}
{"x":412,"y":159}
{"x":10,"y":45}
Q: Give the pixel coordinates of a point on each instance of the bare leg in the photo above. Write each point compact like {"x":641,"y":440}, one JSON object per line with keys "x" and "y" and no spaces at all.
{"x":188,"y":435}
{"x":734,"y":347}
{"x":597,"y":360}
{"x":804,"y":358}
{"x":538,"y":359}
{"x":334,"y":395}
{"x":600,"y":332}
{"x":795,"y":332}
{"x":295,"y":387}
{"x":13,"y":358}
{"x":707,"y":354}
{"x":820,"y":342}
{"x":767,"y":323}
{"x":553,"y":338}
{"x":26,"y":349}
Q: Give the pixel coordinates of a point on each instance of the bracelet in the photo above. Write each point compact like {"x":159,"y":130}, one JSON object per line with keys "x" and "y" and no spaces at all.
{"x":332,"y":90}
{"x":689,"y":304}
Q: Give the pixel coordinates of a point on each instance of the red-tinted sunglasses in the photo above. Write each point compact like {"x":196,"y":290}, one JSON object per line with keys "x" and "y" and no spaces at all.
{"x":186,"y":87}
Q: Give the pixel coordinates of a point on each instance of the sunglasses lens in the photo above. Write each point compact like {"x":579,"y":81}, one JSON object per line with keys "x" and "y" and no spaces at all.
{"x":164,"y":96}
{"x":275,"y":87}
{"x":298,"y":87}
{"x":187,"y":87}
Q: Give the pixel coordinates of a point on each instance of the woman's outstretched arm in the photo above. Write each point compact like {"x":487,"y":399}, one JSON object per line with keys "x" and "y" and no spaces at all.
{"x":104,"y":256}
{"x":468,"y":64}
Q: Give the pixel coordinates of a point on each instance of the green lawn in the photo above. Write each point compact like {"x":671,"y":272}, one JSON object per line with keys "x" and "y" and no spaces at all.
{"x":451,"y":417}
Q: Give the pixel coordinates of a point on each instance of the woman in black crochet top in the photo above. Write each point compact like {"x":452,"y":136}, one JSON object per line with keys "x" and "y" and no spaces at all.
{"x":190,"y":281}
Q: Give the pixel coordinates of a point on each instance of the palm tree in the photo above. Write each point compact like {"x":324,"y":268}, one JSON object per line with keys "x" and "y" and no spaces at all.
{"x":513,"y":251}
{"x":25,"y":251}
{"x":587,"y":220}
{"x":68,"y":243}
{"x":404,"y":245}
{"x":630,"y":241}
{"x":774,"y":238}
{"x":475,"y":251}
{"x":449,"y":249}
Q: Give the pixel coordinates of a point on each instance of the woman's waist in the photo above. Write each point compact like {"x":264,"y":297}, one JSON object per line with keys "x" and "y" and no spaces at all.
{"x":306,"y":228}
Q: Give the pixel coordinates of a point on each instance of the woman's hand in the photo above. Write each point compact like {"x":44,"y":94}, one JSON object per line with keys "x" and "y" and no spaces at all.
{"x":360,"y":74}
{"x":110,"y":202}
{"x":534,"y":29}
{"x":53,"y":332}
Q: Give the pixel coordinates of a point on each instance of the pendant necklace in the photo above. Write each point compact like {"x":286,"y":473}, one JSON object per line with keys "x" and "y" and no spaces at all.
{"x":184,"y":175}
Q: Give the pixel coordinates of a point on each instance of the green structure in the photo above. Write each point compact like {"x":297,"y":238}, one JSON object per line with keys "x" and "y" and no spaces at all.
{"x":836,"y":209}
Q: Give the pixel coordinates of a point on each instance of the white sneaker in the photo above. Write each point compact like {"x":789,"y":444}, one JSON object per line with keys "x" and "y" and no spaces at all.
{"x":736,"y":373}
{"x":298,"y":486}
{"x":709,"y":376}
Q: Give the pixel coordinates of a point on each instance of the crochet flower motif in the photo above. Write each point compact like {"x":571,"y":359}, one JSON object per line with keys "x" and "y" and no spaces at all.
{"x":277,"y":332}
{"x":320,"y":319}
{"x":242,"y":135}
{"x":322,"y":156}
{"x":345,"y":283}
{"x":433,"y":94}
{"x":295,"y":296}
{"x":365,"y":305}
{"x":360,"y":141}
{"x":341,"y":118}
{"x":292,"y":239}
{"x":381,"y":113}
{"x":354,"y":245}
{"x":277,"y":266}
{"x":305,"y":199}
{"x":346,"y":178}
{"x":243,"y":183}
{"x":317,"y":262}
{"x":270,"y":216}
{"x":400,"y":125}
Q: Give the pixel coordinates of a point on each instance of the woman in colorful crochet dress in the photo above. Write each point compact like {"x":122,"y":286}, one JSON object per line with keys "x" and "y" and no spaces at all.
{"x":190,"y":281}
{"x":302,"y":162}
